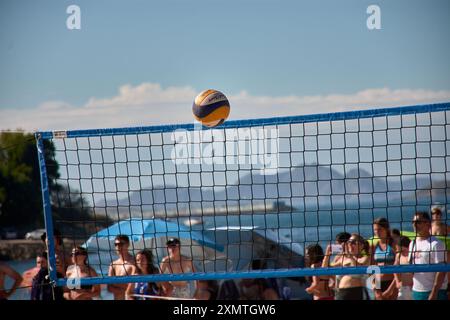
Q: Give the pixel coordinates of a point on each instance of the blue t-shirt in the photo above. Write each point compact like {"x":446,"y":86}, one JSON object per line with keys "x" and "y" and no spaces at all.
{"x":146,"y":288}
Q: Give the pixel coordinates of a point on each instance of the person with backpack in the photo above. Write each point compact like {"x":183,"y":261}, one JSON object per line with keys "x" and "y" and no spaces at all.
{"x":41,"y":288}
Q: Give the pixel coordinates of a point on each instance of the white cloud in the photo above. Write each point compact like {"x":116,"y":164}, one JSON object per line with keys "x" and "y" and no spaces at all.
{"x":145,"y":94}
{"x":149,"y":104}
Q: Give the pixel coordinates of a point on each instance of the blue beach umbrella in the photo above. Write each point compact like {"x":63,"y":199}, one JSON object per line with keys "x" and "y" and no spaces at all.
{"x":152,"y":234}
{"x":142,"y":229}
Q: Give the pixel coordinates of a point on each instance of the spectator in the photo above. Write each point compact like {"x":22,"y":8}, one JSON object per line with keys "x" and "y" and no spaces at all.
{"x":427,"y":249}
{"x":260,"y":288}
{"x":28,"y":275}
{"x":351,"y":287}
{"x":320,"y":286}
{"x":80,"y":269}
{"x":124,"y":266}
{"x":144,"y":266}
{"x":62,"y":259}
{"x":438,"y":228}
{"x":383,"y":255}
{"x":403,"y":281}
{"x":174,"y":262}
{"x":41,"y":289}
{"x":341,"y":239}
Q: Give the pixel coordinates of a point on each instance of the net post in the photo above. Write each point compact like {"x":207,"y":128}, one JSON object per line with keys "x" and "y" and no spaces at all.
{"x":47,"y":207}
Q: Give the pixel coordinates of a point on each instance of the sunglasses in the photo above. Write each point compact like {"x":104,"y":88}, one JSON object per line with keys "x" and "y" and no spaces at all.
{"x":352,"y":241}
{"x":117,"y":244}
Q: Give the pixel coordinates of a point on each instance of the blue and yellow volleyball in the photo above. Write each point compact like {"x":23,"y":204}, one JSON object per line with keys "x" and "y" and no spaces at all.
{"x":211,"y":108}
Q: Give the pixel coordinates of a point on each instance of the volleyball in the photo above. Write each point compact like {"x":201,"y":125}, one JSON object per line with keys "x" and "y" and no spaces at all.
{"x":211,"y":108}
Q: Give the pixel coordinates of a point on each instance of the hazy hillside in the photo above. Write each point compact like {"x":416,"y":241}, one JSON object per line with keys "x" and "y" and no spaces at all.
{"x":296,"y":188}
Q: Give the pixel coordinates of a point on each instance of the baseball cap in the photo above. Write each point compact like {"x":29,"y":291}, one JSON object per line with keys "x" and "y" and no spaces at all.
{"x":172,"y":242}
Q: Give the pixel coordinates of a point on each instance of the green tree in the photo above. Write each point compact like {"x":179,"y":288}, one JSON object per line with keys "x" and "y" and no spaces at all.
{"x":20,"y":190}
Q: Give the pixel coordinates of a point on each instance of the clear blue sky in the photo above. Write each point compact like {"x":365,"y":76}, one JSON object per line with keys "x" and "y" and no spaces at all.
{"x":267,"y":47}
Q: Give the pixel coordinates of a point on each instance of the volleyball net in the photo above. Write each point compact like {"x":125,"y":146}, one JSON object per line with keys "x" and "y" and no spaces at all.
{"x":252,"y":190}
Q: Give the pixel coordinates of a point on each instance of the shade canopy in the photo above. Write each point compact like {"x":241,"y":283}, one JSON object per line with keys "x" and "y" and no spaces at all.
{"x":141,"y":229}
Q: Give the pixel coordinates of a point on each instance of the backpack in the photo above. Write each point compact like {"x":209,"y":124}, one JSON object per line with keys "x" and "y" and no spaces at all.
{"x":42,"y":289}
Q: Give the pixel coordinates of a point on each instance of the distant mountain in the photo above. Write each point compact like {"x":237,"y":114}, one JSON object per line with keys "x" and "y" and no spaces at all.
{"x":356,"y":188}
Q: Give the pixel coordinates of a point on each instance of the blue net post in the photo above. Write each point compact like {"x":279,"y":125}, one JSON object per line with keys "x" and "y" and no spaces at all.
{"x":47,"y":207}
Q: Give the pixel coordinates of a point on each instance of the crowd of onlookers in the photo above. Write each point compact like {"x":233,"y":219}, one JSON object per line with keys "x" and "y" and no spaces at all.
{"x":387,"y":247}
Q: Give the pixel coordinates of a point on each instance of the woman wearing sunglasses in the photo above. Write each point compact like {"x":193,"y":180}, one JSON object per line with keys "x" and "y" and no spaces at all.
{"x":356,"y":254}
{"x":80,"y":269}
